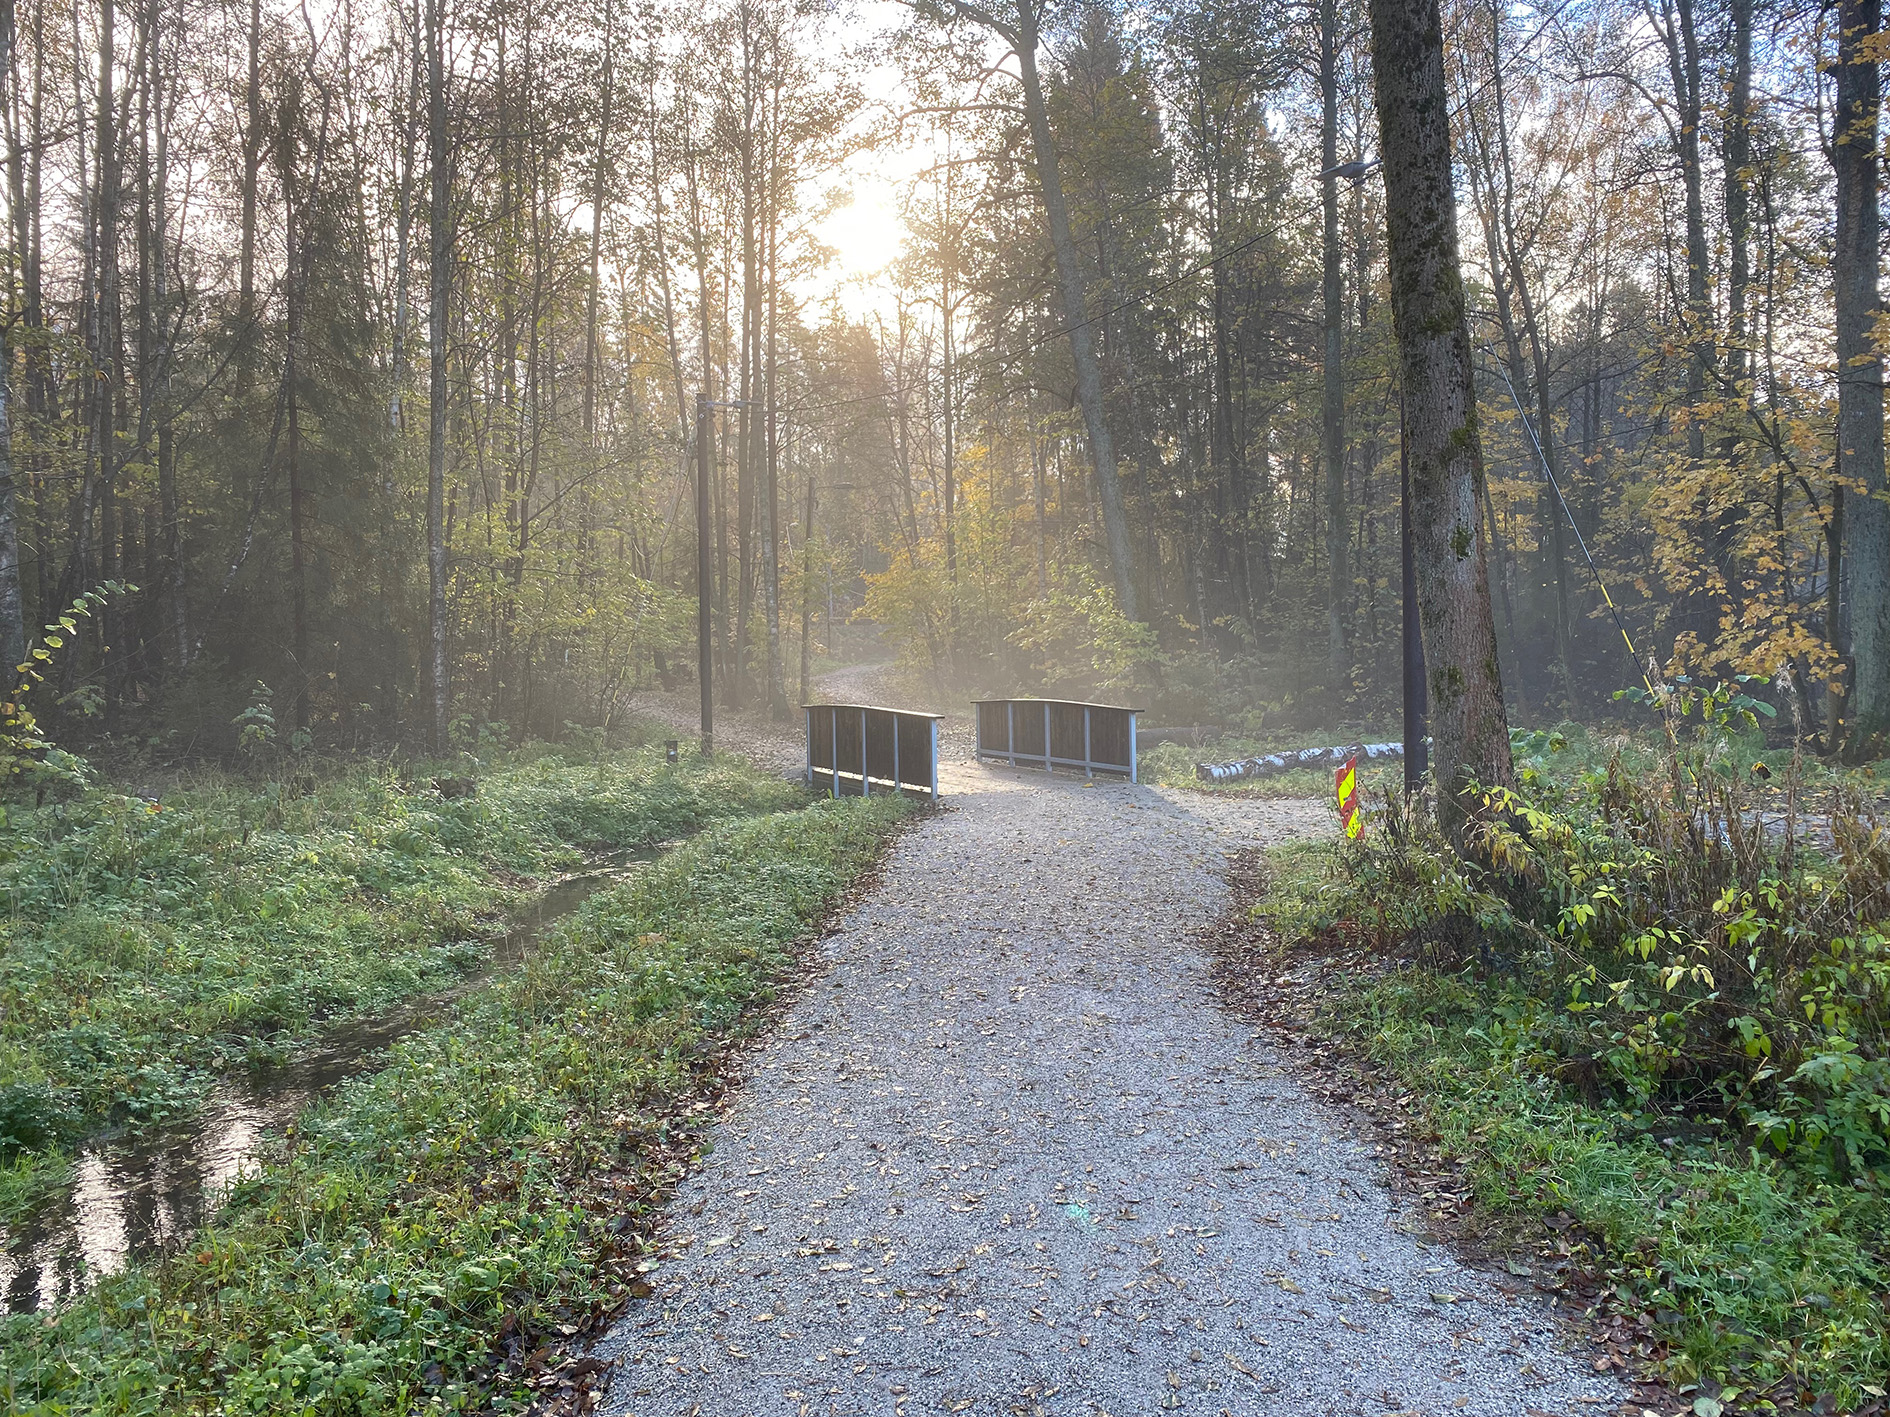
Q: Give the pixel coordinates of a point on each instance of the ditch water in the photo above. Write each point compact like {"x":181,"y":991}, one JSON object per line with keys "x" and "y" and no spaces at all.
{"x":137,"y":1194}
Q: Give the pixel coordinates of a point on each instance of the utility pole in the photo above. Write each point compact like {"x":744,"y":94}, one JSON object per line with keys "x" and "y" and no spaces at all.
{"x":705,"y":666}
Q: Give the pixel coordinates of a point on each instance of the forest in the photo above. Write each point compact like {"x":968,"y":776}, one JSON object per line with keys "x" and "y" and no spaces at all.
{"x":420,"y":418}
{"x":362,"y":345}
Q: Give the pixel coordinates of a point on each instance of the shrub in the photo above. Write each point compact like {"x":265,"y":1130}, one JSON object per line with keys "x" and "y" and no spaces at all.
{"x":1693,"y":948}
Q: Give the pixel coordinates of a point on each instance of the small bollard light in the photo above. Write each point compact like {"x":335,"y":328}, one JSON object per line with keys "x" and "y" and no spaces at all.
{"x":672,"y":746}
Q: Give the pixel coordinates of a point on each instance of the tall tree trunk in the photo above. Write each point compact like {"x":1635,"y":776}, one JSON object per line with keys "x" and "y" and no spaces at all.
{"x":440,"y":289}
{"x":1738,"y":149}
{"x":1089,"y":393}
{"x":108,"y":356}
{"x":1673,"y":22}
{"x":1860,"y":454}
{"x":948,"y":429}
{"x":597,"y":234}
{"x":1037,"y":495}
{"x":170,"y":549}
{"x":750,"y":381}
{"x":298,"y":573}
{"x":1468,"y":722}
{"x":1833,"y":608}
{"x":403,"y":229}
{"x":295,"y":261}
{"x":1257,"y":517}
{"x":770,"y":491}
{"x":1338,"y":575}
{"x":12,"y":610}
{"x":252,"y":169}
{"x":671,"y":337}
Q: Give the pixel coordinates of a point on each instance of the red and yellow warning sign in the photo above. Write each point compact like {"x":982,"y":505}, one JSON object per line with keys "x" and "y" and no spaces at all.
{"x":1349,"y":817}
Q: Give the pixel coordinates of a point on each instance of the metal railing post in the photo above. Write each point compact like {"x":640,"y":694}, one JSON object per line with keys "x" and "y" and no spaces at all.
{"x":866,"y":783}
{"x":808,"y":714}
{"x":899,"y":787}
{"x":1132,"y":767}
{"x":1089,"y":768}
{"x":833,"y":741}
{"x":1010,"y":729}
{"x":1048,"y":766}
{"x":935,"y":760}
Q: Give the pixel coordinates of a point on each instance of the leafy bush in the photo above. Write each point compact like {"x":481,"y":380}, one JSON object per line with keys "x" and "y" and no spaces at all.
{"x":1700,"y":953}
{"x":31,"y":1118}
{"x":1659,"y":999}
{"x":1079,"y":641}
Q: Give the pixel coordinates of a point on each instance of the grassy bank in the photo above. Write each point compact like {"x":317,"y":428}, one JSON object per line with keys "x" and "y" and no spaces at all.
{"x":150,"y":945}
{"x":1643,"y":1016}
{"x":479,"y":1183}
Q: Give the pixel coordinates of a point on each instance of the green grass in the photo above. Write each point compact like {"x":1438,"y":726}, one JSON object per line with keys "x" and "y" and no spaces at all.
{"x":1755,"y":1270}
{"x":146,"y":948}
{"x":369,"y":1269}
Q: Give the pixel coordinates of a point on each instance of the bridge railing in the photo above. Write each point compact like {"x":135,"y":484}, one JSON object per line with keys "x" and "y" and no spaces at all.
{"x":853,"y":746}
{"x":1058,"y":733}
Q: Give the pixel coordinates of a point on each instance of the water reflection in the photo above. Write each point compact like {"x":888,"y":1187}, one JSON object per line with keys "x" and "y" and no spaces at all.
{"x":138,"y":1194}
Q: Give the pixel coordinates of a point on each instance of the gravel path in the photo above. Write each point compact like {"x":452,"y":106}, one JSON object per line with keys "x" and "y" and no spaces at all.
{"x":1010,"y":1155}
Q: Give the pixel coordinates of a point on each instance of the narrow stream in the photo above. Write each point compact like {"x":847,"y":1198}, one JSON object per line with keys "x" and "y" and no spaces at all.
{"x":137,"y":1194}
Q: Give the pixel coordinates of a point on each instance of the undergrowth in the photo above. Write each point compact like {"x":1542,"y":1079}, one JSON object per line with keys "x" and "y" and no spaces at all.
{"x":149,"y":945}
{"x":1562,"y":754}
{"x":464,"y":1188}
{"x":1659,"y":1000}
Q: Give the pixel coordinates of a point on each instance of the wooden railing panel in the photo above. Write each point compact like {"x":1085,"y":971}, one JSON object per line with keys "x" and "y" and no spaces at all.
{"x":1058,"y":733}
{"x":994,"y":728}
{"x":1027,"y":729}
{"x":1110,"y":732}
{"x":853,"y":747}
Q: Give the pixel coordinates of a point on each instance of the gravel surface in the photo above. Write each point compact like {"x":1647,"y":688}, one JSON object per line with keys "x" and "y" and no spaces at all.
{"x":1010,"y":1155}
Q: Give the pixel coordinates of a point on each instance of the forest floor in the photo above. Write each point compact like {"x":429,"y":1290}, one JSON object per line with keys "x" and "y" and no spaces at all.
{"x":1013,"y":1151}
